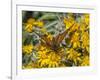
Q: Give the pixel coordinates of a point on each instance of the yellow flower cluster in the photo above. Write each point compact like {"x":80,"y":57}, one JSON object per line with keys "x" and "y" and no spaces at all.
{"x":48,"y":58}
{"x":85,"y":40}
{"x":76,"y":52}
{"x":85,"y":61}
{"x":73,"y":55}
{"x":31,"y":22}
{"x":79,"y":39}
{"x":86,"y":19}
{"x":69,"y":22}
{"x":75,"y":40}
{"x":27,"y":49}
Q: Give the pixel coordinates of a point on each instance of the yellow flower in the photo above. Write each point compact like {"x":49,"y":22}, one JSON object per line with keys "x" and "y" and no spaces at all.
{"x":83,"y":27}
{"x":73,"y":55}
{"x":68,"y":22}
{"x":29,"y":27}
{"x":38,"y":24}
{"x":42,"y":56}
{"x":86,"y":19}
{"x":48,"y":58}
{"x":27,"y":48}
{"x":85,"y":61}
{"x":54,"y":59}
{"x":43,"y":60}
{"x":85,"y":40}
{"x":30,"y":20}
{"x":31,"y":23}
{"x":75,"y":40}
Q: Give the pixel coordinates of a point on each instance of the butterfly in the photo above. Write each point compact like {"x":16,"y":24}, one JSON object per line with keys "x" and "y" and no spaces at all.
{"x":54,"y":44}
